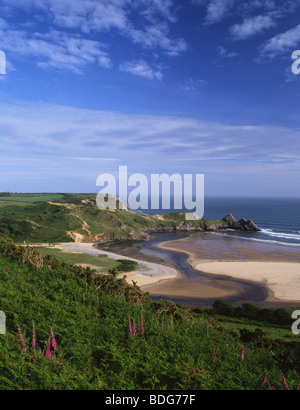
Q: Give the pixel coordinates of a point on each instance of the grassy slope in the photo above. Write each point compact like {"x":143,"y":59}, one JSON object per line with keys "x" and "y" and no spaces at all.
{"x":96,"y":349}
{"x":37,"y":218}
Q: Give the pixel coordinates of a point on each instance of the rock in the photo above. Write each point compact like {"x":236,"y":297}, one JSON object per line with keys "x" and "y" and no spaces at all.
{"x":241,"y":225}
{"x":248,"y":225}
{"x":231,"y":221}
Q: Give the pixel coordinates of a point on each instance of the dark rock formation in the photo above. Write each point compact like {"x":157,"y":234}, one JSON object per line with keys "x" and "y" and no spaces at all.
{"x":241,"y":225}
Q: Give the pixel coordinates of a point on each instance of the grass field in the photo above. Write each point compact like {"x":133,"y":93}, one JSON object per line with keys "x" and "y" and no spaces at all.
{"x":31,"y":198}
{"x":271,"y":331}
{"x":102,"y":263}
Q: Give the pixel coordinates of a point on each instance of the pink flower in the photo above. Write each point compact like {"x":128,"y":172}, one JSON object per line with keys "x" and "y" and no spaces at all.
{"x":243,"y":353}
{"x":129,"y":324}
{"x":33,"y":341}
{"x":284,"y":382}
{"x":22,"y":343}
{"x":134,"y":329}
{"x":53,"y":344}
{"x":142,"y":326}
{"x":265,"y":378}
{"x":48,"y":351}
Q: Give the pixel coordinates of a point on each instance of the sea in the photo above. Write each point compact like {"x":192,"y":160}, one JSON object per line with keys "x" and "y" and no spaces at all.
{"x":277,"y":218}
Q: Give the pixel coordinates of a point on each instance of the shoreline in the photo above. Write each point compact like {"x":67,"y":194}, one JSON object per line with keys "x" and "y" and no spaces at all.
{"x":148,"y":273}
{"x":222,"y":277}
{"x":279,"y":276}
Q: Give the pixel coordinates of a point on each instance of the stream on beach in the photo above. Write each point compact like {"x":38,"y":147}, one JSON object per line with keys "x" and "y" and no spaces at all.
{"x":237,"y":291}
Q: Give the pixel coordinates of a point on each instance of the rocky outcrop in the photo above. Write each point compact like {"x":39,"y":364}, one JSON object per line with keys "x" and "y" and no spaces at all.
{"x":241,"y":225}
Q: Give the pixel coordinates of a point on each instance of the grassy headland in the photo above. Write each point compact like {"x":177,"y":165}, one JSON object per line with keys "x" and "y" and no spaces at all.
{"x":53,"y":218}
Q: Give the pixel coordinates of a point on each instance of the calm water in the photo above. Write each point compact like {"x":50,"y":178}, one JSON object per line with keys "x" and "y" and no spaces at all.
{"x":278,"y":219}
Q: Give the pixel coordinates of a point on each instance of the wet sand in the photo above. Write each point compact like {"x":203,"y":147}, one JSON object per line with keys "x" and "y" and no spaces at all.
{"x":275,"y":268}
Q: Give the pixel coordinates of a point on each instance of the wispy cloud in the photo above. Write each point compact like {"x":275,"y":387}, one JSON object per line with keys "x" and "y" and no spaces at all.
{"x":55,"y":49}
{"x":142,"y":69}
{"x":251,"y":26}
{"x":282,"y":43}
{"x":42,"y":131}
{"x":59,"y":47}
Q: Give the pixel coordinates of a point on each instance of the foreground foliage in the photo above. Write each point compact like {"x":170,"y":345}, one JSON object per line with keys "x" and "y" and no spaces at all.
{"x":69,"y":329}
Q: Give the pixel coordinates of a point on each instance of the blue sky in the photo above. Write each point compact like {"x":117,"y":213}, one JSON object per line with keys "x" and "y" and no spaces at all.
{"x":173,"y":86}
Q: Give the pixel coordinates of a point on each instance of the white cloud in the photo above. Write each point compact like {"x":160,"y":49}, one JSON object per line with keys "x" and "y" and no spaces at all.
{"x":55,"y":49}
{"x":251,"y":26}
{"x":217,"y":10}
{"x":282,"y":43}
{"x":142,"y":69}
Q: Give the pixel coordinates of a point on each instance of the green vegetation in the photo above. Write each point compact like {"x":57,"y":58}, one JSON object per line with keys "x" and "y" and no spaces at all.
{"x":53,"y":218}
{"x":103,"y":264}
{"x":97,"y":332}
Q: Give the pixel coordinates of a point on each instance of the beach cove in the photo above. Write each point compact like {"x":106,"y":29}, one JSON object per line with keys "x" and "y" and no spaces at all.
{"x":274,"y":267}
{"x":199,"y":268}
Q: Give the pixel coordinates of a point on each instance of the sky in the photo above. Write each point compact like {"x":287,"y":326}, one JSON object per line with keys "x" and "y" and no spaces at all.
{"x":160,"y":86}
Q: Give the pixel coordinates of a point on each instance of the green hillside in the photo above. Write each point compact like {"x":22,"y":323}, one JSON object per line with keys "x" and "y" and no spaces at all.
{"x":40,"y":218}
{"x":69,"y":329}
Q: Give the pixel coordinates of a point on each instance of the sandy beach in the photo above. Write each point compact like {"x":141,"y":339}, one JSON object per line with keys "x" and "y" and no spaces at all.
{"x":276,"y":268}
{"x":147,"y":273}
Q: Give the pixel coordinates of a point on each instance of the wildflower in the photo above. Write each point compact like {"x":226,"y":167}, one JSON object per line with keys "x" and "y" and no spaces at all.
{"x":22,"y":343}
{"x":129,"y":324}
{"x":284,"y":382}
{"x":134,"y":329}
{"x":142,"y":326}
{"x":53,"y":344}
{"x":265,"y":378}
{"x":243,"y":353}
{"x":48,"y":350}
{"x":33,"y":341}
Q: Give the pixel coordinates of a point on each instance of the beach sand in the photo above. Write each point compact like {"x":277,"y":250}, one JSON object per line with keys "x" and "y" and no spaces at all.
{"x":147,"y":273}
{"x":274,"y":267}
